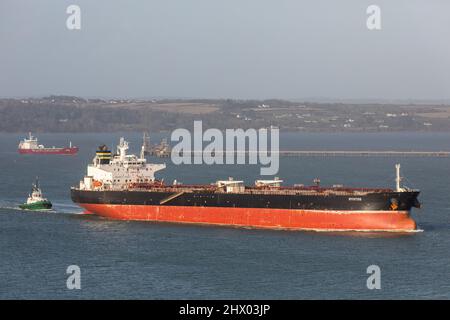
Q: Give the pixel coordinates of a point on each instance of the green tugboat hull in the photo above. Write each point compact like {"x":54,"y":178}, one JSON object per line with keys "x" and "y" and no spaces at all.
{"x":40,"y":205}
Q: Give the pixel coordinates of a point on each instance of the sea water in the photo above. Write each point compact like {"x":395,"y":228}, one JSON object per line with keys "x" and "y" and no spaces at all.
{"x":147,"y":260}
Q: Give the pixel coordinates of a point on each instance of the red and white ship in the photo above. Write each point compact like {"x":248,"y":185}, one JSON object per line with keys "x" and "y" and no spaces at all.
{"x":30,"y":146}
{"x":122,"y":186}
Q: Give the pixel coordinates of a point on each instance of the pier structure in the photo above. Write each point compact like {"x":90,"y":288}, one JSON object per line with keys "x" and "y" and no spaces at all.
{"x":342,"y":153}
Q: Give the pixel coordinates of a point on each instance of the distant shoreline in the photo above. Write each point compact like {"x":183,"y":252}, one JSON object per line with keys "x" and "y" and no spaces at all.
{"x":69,"y":114}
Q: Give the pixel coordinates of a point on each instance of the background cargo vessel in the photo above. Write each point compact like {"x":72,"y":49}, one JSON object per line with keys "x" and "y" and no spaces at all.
{"x":123,"y":186}
{"x":30,"y":146}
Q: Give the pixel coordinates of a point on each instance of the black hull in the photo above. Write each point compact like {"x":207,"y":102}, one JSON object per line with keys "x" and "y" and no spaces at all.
{"x":377,"y":201}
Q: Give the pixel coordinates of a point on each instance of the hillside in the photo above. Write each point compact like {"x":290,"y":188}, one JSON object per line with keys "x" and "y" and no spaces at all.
{"x":74,"y":114}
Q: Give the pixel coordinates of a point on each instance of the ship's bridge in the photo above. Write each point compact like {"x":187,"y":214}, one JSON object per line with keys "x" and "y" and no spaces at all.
{"x":30,"y":143}
{"x":129,"y":161}
{"x":119,"y":170}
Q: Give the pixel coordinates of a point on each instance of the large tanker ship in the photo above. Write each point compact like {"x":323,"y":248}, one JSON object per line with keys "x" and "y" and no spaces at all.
{"x":123,"y":186}
{"x":30,"y":145}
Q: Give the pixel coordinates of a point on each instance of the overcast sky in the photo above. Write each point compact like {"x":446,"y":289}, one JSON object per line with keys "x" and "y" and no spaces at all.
{"x":226,"y":49}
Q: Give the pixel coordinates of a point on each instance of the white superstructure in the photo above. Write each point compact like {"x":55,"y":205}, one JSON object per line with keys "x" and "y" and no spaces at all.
{"x":269,"y":183}
{"x":231,"y":185}
{"x":30,"y":143}
{"x":117,"y":172}
{"x":36,"y":194}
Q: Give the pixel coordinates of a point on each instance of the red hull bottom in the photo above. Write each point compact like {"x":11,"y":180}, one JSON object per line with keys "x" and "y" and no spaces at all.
{"x":64,"y":151}
{"x":319,"y":220}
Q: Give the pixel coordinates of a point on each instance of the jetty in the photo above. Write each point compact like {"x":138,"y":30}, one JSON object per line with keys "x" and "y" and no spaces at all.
{"x":339,"y":153}
{"x":359,"y":153}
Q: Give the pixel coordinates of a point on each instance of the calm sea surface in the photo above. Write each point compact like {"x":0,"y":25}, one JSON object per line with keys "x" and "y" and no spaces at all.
{"x":146,"y":260}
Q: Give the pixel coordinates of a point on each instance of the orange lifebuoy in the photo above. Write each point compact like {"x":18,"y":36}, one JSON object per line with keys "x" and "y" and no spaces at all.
{"x":97,"y":183}
{"x":394,"y":204}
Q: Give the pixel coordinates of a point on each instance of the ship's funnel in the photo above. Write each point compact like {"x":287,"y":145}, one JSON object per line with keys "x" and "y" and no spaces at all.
{"x":103,"y":155}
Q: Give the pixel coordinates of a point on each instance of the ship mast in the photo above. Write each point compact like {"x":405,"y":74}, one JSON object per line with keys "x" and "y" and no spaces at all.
{"x":142,"y":152}
{"x":398,"y":178}
{"x":122,"y":149}
{"x":146,"y":143}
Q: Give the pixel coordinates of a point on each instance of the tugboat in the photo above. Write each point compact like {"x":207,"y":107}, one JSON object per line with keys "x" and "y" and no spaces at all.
{"x":35,"y":200}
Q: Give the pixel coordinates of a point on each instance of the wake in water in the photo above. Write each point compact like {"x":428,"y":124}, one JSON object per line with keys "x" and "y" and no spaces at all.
{"x":67,"y":207}
{"x":58,"y":207}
